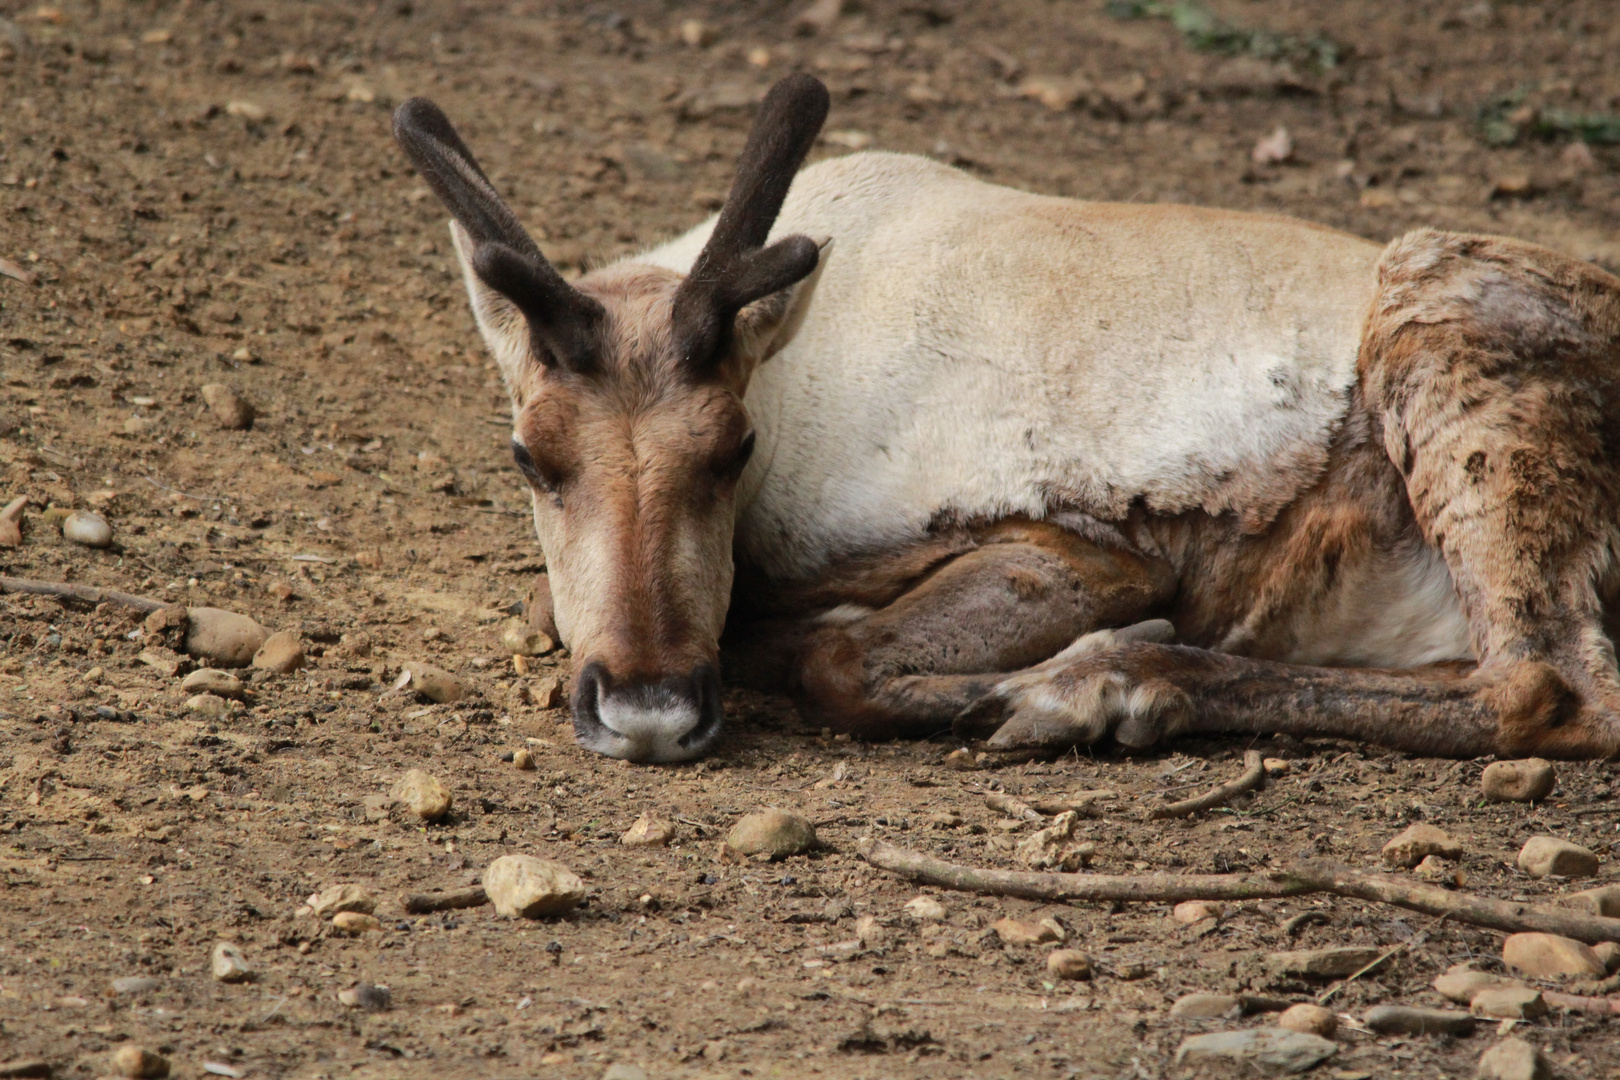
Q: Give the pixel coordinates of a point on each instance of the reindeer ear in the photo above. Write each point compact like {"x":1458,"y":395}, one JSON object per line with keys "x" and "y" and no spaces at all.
{"x":734,"y":268}
{"x":765,"y":327}
{"x":496,"y":252}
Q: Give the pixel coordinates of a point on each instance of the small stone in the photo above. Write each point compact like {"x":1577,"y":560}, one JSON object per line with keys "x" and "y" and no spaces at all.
{"x":163,"y":661}
{"x":247,"y":110}
{"x":1509,"y":1003}
{"x":1016,"y":932}
{"x":340,"y":898}
{"x":1048,"y":848}
{"x":522,"y":760}
{"x":1273,"y":149}
{"x":1518,"y":781}
{"x":210,"y":705}
{"x":1207,"y":1007}
{"x":1418,"y":843}
{"x":1609,"y":953}
{"x":624,"y":1071}
{"x":925,"y":909}
{"x":88,"y":529}
{"x":1548,"y":956}
{"x":223,"y":637}
{"x":522,"y":885}
{"x":139,"y":1063}
{"x":772,"y":832}
{"x":1269,"y":1050}
{"x":231,"y":410}
{"x":1513,"y":1059}
{"x":355,"y":922}
{"x":1189,"y":912}
{"x":648,"y":831}
{"x":214,"y":681}
{"x":1055,"y":92}
{"x":282,"y":653}
{"x":1309,"y":1019}
{"x":819,"y":17}
{"x":1604,"y":900}
{"x":11,"y":521}
{"x":1462,"y":983}
{"x":423,"y":795}
{"x":549,"y":692}
{"x":228,"y":963}
{"x":1068,"y":964}
{"x":135,"y":984}
{"x":1330,"y":963}
{"x":1545,"y":856}
{"x":1434,"y":869}
{"x":520,"y":639}
{"x":434,"y":683}
{"x":365,"y":996}
{"x":698,"y":34}
{"x":1406,"y":1020}
{"x":961,"y":760}
{"x":1276,"y":766}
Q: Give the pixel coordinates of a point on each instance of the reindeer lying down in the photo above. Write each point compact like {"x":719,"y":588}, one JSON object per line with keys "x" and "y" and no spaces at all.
{"x":934,"y":451}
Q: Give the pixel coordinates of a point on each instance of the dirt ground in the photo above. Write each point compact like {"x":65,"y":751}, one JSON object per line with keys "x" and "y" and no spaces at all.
{"x":207,"y":193}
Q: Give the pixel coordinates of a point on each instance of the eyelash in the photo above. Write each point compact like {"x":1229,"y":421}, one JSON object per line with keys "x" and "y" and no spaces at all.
{"x":526,"y":465}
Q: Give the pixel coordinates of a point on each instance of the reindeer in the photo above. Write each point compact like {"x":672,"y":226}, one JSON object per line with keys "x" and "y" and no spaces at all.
{"x":934,"y":452}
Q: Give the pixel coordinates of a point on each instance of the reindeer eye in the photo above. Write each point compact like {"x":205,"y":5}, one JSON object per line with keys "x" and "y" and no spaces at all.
{"x":732,"y":468}
{"x":531,"y":471}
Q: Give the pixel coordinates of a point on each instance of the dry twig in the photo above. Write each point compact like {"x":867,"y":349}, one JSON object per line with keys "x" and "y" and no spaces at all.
{"x":424,"y":903}
{"x":1254,"y":772}
{"x":1012,"y":807}
{"x":1304,"y":876}
{"x":88,"y":593}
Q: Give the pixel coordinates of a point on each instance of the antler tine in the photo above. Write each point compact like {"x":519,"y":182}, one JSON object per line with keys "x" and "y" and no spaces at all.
{"x":784,"y":129}
{"x":450,"y":169}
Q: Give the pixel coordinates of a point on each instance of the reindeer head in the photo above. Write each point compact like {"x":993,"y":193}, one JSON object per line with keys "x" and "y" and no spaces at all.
{"x":628,"y":420}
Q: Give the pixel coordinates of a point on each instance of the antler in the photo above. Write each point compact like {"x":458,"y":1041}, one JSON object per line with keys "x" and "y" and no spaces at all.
{"x":735,"y":269}
{"x":562,"y":320}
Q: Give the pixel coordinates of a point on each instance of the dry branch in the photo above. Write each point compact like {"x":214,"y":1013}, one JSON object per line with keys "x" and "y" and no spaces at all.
{"x":1305,"y":876}
{"x":1254,"y":772}
{"x":425,"y":903}
{"x":1012,"y":807}
{"x":88,"y":593}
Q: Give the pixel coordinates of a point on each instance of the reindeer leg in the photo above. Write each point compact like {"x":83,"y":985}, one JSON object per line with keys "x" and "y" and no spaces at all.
{"x":912,"y":665}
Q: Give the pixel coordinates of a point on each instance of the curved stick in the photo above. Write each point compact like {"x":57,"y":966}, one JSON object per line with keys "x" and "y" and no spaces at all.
{"x":1305,"y":876}
{"x":88,"y":593}
{"x":1254,"y":772}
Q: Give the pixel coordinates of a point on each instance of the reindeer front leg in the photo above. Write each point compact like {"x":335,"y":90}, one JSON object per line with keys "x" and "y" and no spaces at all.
{"x":1022,"y":593}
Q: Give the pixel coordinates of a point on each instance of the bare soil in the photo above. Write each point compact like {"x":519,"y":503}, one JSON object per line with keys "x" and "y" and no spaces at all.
{"x":207,"y":192}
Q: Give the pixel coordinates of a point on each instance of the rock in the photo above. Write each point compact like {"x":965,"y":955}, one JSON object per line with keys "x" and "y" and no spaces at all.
{"x":214,"y":681}
{"x":210,"y":705}
{"x":1609,"y":953}
{"x":282,"y":653}
{"x":522,"y":760}
{"x":1513,"y":1059}
{"x":698,"y":34}
{"x":1461,"y":983}
{"x":1548,"y":956}
{"x":520,"y":639}
{"x":925,"y":909}
{"x":135,"y":984}
{"x":88,"y":529}
{"x":228,"y":964}
{"x":549,"y":692}
{"x":1418,"y":843}
{"x":1406,"y":1020}
{"x":522,"y":885}
{"x":819,"y":17}
{"x":1509,"y":1003}
{"x":1017,"y":932}
{"x":1273,"y":149}
{"x":139,"y":1063}
{"x":230,"y":409}
{"x":1545,"y":856}
{"x":1045,"y":849}
{"x":772,"y":832}
{"x":340,"y":898}
{"x":1309,"y":1019}
{"x":1268,"y":1050}
{"x":1189,"y":912}
{"x":1518,"y":781}
{"x":423,"y":795}
{"x":624,"y":1071}
{"x":250,"y":111}
{"x":11,"y":521}
{"x":1068,"y":964}
{"x":648,"y":831}
{"x":1330,"y":963}
{"x":365,"y":996}
{"x":434,"y":683}
{"x":223,"y":637}
{"x":356,"y":923}
{"x":871,"y":933}
{"x":1056,"y":92}
{"x":1275,"y":766}
{"x":1207,"y":1007}
{"x":1432,"y":868}
{"x":961,"y":760}
{"x":1604,"y":900}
